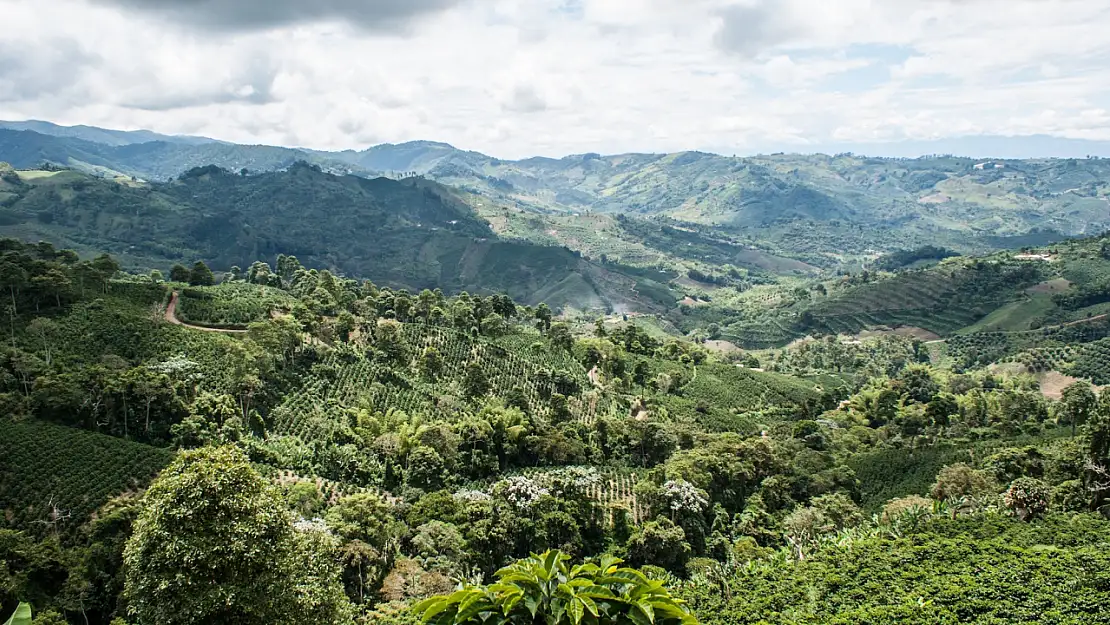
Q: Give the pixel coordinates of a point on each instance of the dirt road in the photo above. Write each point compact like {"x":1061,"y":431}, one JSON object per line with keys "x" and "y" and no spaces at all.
{"x":171,"y":316}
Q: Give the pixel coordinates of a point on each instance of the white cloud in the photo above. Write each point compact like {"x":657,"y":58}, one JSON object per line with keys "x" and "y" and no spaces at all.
{"x":521,"y":77}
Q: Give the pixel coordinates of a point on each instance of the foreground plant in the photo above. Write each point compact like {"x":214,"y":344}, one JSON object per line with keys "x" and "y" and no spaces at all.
{"x":545,"y":589}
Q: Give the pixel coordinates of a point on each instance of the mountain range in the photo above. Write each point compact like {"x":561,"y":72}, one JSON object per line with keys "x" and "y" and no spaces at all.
{"x":769,"y":214}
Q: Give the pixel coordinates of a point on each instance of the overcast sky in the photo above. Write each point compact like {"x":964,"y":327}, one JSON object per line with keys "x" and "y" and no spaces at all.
{"x":515,"y":78}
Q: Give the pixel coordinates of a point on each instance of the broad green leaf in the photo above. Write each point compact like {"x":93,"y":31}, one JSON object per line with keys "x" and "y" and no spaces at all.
{"x":575,"y":610}
{"x":473,"y":610}
{"x":638,"y":617}
{"x":436,"y":605}
{"x":590,"y":605}
{"x":597,"y":592}
{"x":22,"y":615}
{"x":533,"y":604}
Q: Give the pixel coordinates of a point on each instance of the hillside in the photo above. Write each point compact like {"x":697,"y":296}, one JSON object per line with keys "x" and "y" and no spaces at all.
{"x":1013,"y":291}
{"x":161,"y":159}
{"x":411,"y":233}
{"x":823,"y":210}
{"x":386,"y":443}
{"x":101,"y":135}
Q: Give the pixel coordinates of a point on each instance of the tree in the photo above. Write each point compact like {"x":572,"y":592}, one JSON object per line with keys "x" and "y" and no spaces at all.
{"x":430,"y":363}
{"x":661,"y":543}
{"x":53,"y":283}
{"x":106,"y":268}
{"x":599,"y":328}
{"x":545,"y":589}
{"x":201,"y":275}
{"x":475,"y":382}
{"x":958,"y":481}
{"x":1027,"y":497}
{"x":640,"y":375}
{"x":14,"y":279}
{"x":1097,"y":441}
{"x":46,"y":331}
{"x":214,"y":543}
{"x":1078,"y":401}
{"x":560,"y":336}
{"x":179,"y":273}
{"x":543,"y":317}
{"x":370,"y":532}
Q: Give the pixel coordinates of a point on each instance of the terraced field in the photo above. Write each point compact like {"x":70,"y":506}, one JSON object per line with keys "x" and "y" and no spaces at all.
{"x":942,"y":299}
{"x":52,"y":478}
{"x":350,"y":378}
{"x":232,"y":305}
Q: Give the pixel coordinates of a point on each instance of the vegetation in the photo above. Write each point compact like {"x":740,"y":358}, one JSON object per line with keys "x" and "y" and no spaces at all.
{"x":545,"y":585}
{"x":749,"y":439}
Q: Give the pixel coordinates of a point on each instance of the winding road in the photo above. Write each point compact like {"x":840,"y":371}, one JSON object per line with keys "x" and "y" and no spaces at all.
{"x":171,"y":316}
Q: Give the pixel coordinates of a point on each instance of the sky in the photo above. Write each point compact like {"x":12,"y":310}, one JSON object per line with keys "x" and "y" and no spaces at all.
{"x":516,"y":78}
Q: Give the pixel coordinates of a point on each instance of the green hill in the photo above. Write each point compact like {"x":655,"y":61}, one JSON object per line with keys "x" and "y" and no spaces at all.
{"x":822,"y":210}
{"x":411,"y":233}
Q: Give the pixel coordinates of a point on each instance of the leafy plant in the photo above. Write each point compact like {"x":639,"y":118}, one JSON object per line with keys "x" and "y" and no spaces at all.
{"x":22,"y":615}
{"x":545,"y":589}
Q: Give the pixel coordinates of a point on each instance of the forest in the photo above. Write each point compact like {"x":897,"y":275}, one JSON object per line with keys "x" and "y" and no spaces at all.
{"x":276,"y":443}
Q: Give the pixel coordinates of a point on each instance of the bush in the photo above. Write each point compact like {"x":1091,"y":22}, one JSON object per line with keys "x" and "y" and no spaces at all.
{"x":1027,"y":497}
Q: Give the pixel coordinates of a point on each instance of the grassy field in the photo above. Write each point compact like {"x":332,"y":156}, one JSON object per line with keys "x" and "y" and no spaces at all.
{"x":1014,"y":316}
{"x":36,"y":174}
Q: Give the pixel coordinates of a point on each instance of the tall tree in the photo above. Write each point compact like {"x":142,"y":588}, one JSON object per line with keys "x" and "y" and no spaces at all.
{"x":1097,"y":435}
{"x":201,"y":275}
{"x":179,"y":273}
{"x":214,"y":543}
{"x":1078,"y":401}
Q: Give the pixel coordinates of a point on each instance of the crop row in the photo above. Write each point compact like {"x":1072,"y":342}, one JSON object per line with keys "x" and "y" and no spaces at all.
{"x":230,"y":304}
{"x":55,"y":477}
{"x":350,"y":378}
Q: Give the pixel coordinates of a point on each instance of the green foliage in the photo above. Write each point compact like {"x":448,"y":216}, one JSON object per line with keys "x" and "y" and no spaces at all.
{"x":201,"y":275}
{"x":978,"y":570}
{"x":213,"y":543}
{"x":1027,"y":497}
{"x":21,"y":616}
{"x":56,"y":477}
{"x":544,"y":588}
{"x":231,"y":304}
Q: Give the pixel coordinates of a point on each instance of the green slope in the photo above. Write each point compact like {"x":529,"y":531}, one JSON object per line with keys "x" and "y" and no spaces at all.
{"x":412,"y":233}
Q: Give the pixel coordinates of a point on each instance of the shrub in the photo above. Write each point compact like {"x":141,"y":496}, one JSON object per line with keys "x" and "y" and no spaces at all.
{"x":1027,"y":497}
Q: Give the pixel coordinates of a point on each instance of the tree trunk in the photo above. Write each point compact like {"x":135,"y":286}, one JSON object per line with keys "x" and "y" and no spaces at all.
{"x":147,"y":424}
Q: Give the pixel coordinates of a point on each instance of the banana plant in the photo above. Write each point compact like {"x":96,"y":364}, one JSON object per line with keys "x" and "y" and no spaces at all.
{"x":545,"y":590}
{"x":22,"y":615}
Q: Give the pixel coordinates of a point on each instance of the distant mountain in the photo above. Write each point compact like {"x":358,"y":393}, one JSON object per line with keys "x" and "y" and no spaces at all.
{"x":981,"y":146}
{"x":820,"y":209}
{"x":155,"y":160}
{"x":413,"y":233}
{"x":102,"y":135}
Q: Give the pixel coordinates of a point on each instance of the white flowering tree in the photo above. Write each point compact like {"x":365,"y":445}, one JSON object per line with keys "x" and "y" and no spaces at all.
{"x":521,"y":491}
{"x":683,"y":497}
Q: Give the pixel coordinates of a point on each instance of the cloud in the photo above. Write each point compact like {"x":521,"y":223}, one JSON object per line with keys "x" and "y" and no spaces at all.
{"x":234,"y":15}
{"x":752,"y":28}
{"x":516,"y":78}
{"x":525,"y":99}
{"x":50,"y":69}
